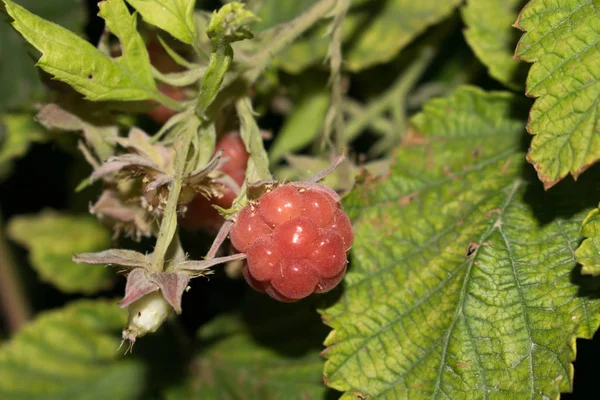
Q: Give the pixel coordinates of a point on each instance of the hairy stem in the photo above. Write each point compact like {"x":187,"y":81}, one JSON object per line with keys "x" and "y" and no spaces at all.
{"x":168,"y":225}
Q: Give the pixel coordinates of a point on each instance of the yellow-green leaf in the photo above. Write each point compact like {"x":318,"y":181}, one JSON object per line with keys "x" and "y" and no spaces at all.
{"x":493,"y":38}
{"x":561,"y":41}
{"x":588,"y":253}
{"x":52,"y":238}
{"x":173,"y":16}
{"x":71,"y":353}
{"x":463,"y":282}
{"x":75,"y":61}
{"x":395,"y":25}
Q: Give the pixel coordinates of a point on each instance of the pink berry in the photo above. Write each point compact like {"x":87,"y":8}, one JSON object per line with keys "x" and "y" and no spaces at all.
{"x":318,"y":206}
{"x":271,"y":291}
{"x":326,"y":284}
{"x":263,"y":259}
{"x":282,"y":204}
{"x":247,"y":228}
{"x":253,"y":283}
{"x":296,"y":238}
{"x":329,"y":255}
{"x":342,"y":226}
{"x":296,"y":279}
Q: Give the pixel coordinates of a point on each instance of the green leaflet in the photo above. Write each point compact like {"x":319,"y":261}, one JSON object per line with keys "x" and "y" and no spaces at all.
{"x":70,"y":353}
{"x":302,"y":126}
{"x":52,"y":239}
{"x":19,"y":79}
{"x":463,"y":282}
{"x":493,"y":39}
{"x":561,"y":40}
{"x":73,"y":60}
{"x":270,"y":352}
{"x":588,"y":253}
{"x":173,"y":16}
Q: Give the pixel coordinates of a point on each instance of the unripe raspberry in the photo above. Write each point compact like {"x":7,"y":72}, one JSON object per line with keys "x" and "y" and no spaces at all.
{"x":282,"y":204}
{"x":263,"y":259}
{"x":318,"y":206}
{"x":342,"y":225}
{"x":296,"y":280}
{"x":295,"y":238}
{"x":248,"y":227}
{"x":329,"y":254}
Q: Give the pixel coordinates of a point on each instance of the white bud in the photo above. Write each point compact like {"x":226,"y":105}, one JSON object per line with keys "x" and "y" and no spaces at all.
{"x":146,"y":315}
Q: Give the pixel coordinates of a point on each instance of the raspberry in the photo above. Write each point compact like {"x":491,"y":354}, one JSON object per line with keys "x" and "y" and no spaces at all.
{"x":295,"y":238}
{"x":248,"y":228}
{"x":263,"y":258}
{"x":280,"y":205}
{"x":319,"y":207}
{"x":297,"y":278}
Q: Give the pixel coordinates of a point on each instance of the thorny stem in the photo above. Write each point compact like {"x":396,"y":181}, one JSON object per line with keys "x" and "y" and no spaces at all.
{"x":294,"y":29}
{"x":15,"y":306}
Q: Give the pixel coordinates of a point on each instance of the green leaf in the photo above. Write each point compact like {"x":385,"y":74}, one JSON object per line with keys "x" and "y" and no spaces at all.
{"x":73,"y":60}
{"x":269,"y":352}
{"x":560,"y":40}
{"x":463,"y":282}
{"x":173,"y":16}
{"x":493,"y":39}
{"x":302,"y":126}
{"x":70,"y":353}
{"x":274,"y":12}
{"x":19,"y":131}
{"x":52,"y":239}
{"x":588,"y":253}
{"x":396,"y":24}
{"x":19,"y":79}
{"x":258,"y":163}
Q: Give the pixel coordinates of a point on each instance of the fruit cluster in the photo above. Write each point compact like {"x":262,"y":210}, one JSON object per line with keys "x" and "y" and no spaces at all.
{"x":296,"y":239}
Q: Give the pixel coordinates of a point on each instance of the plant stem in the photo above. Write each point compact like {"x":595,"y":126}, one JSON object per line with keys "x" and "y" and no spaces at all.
{"x":285,"y":36}
{"x":393,"y":97}
{"x":15,"y":306}
{"x":168,"y":225}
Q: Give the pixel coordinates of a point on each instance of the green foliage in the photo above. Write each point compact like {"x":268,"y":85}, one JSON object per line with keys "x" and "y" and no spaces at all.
{"x":463,"y":281}
{"x":560,"y":40}
{"x":52,"y":238}
{"x":17,"y":133}
{"x":75,"y":61}
{"x":70,"y":353}
{"x":269,"y":352}
{"x":173,"y":16}
{"x":19,"y":80}
{"x":397,"y":22}
{"x":457,"y":287}
{"x":302,"y":126}
{"x":588,"y":253}
{"x":493,"y":39}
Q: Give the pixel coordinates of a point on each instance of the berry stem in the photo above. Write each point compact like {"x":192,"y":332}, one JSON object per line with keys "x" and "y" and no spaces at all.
{"x":168,"y":225}
{"x":221,"y":236}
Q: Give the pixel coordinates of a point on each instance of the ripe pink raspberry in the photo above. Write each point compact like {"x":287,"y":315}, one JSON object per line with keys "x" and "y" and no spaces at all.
{"x":295,"y":238}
